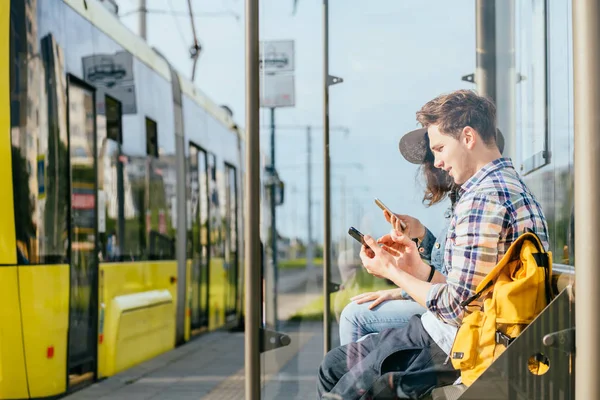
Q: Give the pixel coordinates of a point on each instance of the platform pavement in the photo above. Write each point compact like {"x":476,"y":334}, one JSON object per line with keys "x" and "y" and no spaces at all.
{"x":211,"y":368}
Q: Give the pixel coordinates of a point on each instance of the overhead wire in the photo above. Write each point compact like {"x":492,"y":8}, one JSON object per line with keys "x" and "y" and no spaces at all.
{"x":178,"y":13}
{"x":181,"y":35}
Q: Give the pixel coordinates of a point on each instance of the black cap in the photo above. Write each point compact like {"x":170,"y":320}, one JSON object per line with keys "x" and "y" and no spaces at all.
{"x":413,"y":145}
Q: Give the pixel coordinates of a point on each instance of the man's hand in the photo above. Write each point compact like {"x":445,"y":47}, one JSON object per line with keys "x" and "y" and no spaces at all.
{"x":411,"y":277}
{"x":367,"y":250}
{"x":403,"y":249}
{"x":376,"y":260}
{"x":378,"y":297}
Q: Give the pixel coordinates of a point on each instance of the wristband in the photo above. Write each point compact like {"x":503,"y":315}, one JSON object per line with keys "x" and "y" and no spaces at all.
{"x":431,"y":274}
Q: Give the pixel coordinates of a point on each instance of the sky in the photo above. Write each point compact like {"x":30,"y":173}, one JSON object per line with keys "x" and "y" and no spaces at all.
{"x":394,"y":56}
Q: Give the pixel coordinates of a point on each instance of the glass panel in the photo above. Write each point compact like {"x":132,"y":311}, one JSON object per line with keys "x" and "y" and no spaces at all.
{"x":82,"y":139}
{"x":199,"y":268}
{"x":134,"y":172}
{"x":111,"y":209}
{"x":393,"y":60}
{"x":39,"y":147}
{"x":231,"y":254}
{"x":217,"y":242}
{"x":202,"y":239}
{"x":199,"y":211}
{"x":194,"y":238}
{"x":159,"y":190}
{"x":204,"y":201}
{"x":194,"y":193}
{"x":292,"y":231}
{"x":532,"y":88}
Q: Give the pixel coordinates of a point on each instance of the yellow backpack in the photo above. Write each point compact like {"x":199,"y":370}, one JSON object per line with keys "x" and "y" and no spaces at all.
{"x":514,"y":293}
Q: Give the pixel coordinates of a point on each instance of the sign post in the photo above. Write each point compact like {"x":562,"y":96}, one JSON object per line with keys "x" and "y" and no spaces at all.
{"x":276,"y":62}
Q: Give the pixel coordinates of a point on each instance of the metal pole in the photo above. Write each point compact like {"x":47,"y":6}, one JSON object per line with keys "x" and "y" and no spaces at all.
{"x":142,"y":21}
{"x":485,"y":73}
{"x":309,"y":244}
{"x":327,"y":199}
{"x":252,"y":214}
{"x":586,"y":96}
{"x":274,"y":222}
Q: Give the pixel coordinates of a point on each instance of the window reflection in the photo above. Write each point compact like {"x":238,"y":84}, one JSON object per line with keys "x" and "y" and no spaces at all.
{"x":214,"y":213}
{"x":39,"y":148}
{"x":83,"y":262}
{"x":531,"y":89}
{"x":230,"y":227}
{"x":133,"y":151}
{"x":111,"y":192}
{"x":194,"y":193}
{"x":198,"y":243}
{"x":160,"y":188}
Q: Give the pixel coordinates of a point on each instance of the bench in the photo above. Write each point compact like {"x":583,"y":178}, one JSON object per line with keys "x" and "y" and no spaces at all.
{"x":562,"y":279}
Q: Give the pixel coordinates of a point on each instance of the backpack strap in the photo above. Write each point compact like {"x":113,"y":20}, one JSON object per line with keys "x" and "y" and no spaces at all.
{"x":542,"y":260}
{"x":477,"y":295}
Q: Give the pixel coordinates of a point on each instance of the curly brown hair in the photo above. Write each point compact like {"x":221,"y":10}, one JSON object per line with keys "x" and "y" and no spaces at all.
{"x":454,"y":111}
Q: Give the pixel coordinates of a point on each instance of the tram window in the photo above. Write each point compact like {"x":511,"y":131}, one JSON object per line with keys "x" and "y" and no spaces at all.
{"x":231,"y":253}
{"x":134,"y":173}
{"x":532,"y":98}
{"x":111,"y":187}
{"x":160,"y":175}
{"x":199,"y":183}
{"x":232,"y":206}
{"x":151,"y":138}
{"x":193,"y":184}
{"x":39,"y":149}
{"x":214,"y":213}
{"x":204,"y":199}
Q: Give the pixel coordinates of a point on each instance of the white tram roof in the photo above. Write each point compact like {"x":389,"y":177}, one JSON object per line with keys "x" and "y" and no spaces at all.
{"x":108,"y":23}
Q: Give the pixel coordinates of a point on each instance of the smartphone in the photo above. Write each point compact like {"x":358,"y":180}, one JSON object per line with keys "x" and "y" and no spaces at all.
{"x":356,"y":234}
{"x":386,"y":208}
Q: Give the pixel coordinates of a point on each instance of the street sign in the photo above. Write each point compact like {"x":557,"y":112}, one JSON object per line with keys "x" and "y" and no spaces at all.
{"x":276,"y":56}
{"x":277,"y":91}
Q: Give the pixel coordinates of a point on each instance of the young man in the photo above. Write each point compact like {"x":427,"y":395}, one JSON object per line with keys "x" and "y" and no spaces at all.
{"x":494,"y":208}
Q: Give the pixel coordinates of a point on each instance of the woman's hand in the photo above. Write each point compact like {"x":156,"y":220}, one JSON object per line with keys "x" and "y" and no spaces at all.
{"x":378,"y":297}
{"x":414,"y":228}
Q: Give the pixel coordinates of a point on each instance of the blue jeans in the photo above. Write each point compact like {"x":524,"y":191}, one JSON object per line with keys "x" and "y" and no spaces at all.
{"x":357,"y":320}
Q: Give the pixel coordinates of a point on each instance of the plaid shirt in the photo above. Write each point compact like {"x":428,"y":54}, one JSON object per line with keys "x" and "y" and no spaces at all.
{"x":495,"y":208}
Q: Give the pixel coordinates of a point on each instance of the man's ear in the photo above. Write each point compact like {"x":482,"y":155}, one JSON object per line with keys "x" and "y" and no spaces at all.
{"x":469,"y":137}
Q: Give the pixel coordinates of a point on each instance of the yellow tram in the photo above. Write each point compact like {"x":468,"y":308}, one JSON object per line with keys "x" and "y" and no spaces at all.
{"x":121,"y":234}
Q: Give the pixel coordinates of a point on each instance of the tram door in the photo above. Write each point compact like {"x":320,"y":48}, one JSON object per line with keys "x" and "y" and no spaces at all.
{"x":200,"y":243}
{"x":83,"y":233}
